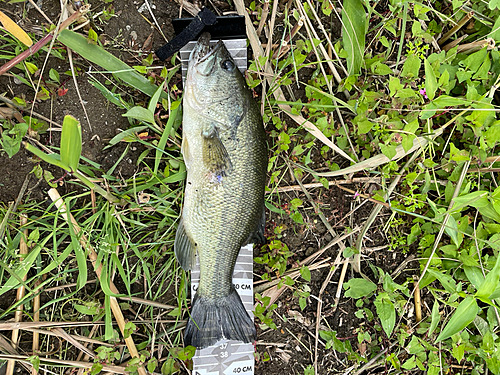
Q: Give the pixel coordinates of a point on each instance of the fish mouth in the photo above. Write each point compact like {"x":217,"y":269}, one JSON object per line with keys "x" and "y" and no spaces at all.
{"x":202,"y":51}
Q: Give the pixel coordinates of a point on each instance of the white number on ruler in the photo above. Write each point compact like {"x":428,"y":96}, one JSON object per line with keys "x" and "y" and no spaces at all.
{"x":224,"y":354}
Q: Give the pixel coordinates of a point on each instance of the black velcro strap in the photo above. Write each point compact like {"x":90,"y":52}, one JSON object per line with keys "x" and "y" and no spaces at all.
{"x":203,"y":18}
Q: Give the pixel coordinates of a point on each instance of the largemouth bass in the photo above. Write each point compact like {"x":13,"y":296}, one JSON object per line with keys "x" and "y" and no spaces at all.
{"x":225,"y":151}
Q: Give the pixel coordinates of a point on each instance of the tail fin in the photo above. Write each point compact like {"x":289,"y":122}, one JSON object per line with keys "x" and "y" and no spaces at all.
{"x":218,"y":318}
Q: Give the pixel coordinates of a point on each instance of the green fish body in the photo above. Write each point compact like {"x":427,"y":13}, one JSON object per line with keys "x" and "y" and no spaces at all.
{"x":225,"y":151}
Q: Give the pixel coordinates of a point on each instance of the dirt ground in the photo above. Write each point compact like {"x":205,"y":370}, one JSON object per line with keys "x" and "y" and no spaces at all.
{"x":289,"y":346}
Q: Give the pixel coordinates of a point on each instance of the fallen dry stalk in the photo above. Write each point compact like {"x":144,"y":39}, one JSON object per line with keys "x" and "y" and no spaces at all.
{"x":115,"y":307}
{"x":454,"y":43}
{"x":455,"y":28}
{"x":320,"y":307}
{"x":263,"y":18}
{"x":36,"y":318}
{"x":418,"y":301}
{"x":474,"y":46}
{"x":18,"y":316}
{"x":356,"y":180}
{"x":63,"y":362}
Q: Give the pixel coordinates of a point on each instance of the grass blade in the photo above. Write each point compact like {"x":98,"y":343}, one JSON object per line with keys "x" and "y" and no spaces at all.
{"x":81,"y":259}
{"x":164,"y":137}
{"x":99,"y":56}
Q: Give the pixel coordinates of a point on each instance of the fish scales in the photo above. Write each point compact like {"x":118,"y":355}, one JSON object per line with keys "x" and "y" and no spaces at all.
{"x":225,"y":151}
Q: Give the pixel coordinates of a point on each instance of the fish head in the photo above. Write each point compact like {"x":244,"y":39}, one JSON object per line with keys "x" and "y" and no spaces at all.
{"x":215,"y":88}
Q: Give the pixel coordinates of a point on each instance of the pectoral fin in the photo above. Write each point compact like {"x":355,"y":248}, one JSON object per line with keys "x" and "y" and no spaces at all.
{"x":185,"y":152}
{"x":184,"y":248}
{"x":215,"y":155}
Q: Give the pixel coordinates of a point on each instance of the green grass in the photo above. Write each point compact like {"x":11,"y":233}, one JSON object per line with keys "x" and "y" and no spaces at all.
{"x":422,"y":122}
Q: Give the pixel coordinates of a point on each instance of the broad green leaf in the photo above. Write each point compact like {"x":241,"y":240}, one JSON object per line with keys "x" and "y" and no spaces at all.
{"x":446,"y":280}
{"x":54,"y":75}
{"x":32,"y":68}
{"x":169,"y":367}
{"x":152,"y":364}
{"x":99,"y":56}
{"x":357,"y":288}
{"x":411,"y":66}
{"x":364,"y":126}
{"x":71,"y":142}
{"x":435,"y":317}
{"x":11,"y":139}
{"x":409,"y":364}
{"x":406,"y":93}
{"x":430,"y":80}
{"x":474,"y":275}
{"x":447,"y":101}
{"x":444,"y":79}
{"x":388,"y":150}
{"x":491,"y":211}
{"x":305,"y":273}
{"x":462,"y":317}
{"x":353,"y":34}
{"x":414,"y":346}
{"x":490,"y":283}
{"x":381,"y":69}
{"x":141,"y":114}
{"x":407,"y":141}
{"x":302,"y":303}
{"x":451,"y":230}
{"x":477,"y":199}
{"x":493,"y":4}
{"x":495,"y":30}
{"x":386,"y":312}
{"x":82,"y":309}
{"x":296,"y":203}
{"x":20,"y":271}
{"x":35,"y":361}
{"x":333,"y":342}
{"x":297,"y":217}
{"x":492,"y":135}
{"x":475,"y":60}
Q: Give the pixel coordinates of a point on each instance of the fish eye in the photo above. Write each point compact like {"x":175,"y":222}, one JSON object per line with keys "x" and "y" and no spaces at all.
{"x":227,"y":65}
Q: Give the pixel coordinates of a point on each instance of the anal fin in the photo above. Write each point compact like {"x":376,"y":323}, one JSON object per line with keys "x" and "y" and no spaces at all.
{"x":184,"y":248}
{"x":257,"y":236}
